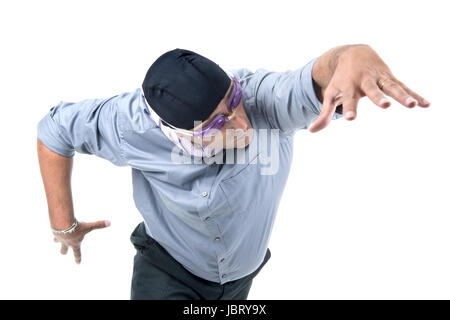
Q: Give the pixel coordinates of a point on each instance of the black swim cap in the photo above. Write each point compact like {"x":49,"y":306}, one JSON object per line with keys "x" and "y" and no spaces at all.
{"x":182,"y":86}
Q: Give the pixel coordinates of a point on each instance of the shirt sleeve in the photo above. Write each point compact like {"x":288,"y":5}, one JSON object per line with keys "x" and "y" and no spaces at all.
{"x":287,"y":100}
{"x":91,"y":126}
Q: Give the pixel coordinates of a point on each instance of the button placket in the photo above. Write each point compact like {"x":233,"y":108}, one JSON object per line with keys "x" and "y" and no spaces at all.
{"x":205,"y":212}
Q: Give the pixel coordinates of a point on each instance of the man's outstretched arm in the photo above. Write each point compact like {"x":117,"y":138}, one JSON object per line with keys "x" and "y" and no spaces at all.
{"x":348,"y":73}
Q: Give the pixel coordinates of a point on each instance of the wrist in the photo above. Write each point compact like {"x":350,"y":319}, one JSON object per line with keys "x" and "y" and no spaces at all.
{"x":61,"y":217}
{"x":70,"y":229}
{"x":62,"y":221}
{"x":318,"y":90}
{"x":321,"y":75}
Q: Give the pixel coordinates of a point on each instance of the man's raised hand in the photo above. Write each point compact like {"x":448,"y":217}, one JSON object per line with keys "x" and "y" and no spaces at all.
{"x":349,"y":73}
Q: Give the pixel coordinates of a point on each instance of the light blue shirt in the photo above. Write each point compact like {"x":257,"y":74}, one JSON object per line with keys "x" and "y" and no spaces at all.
{"x":215,"y":219}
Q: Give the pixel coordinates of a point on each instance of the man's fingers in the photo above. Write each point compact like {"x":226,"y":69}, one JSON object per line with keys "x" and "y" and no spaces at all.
{"x":394,"y":90}
{"x":374,"y":93}
{"x":64,"y":249}
{"x":421,"y":100}
{"x":327,"y":112}
{"x":349,"y":107}
{"x":77,"y":254}
{"x":98,"y":225}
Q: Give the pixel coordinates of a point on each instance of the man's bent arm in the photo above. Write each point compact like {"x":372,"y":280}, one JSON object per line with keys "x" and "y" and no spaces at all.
{"x":56,"y":173}
{"x":89,"y":126}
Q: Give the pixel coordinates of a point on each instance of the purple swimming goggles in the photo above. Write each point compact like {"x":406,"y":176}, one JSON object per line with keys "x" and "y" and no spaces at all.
{"x":219,"y":121}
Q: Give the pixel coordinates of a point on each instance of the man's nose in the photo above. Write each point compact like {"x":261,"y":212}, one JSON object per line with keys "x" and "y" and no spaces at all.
{"x":240,"y":123}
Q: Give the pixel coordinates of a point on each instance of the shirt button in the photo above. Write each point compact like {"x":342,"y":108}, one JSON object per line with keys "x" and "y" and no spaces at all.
{"x":224,"y":276}
{"x":222,"y":260}
{"x":204,"y":193}
{"x":217,"y":239}
{"x":207,"y":218}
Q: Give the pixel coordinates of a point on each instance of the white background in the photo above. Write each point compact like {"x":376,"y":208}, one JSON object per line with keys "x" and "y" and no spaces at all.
{"x":365,"y":213}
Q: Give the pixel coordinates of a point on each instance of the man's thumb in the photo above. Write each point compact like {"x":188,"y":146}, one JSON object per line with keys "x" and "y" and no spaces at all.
{"x":99,"y":224}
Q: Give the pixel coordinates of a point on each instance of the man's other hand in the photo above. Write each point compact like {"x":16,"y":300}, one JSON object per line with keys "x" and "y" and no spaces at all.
{"x":73,"y":240}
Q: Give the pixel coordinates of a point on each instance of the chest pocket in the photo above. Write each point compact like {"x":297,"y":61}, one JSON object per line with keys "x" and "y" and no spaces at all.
{"x":238,"y":189}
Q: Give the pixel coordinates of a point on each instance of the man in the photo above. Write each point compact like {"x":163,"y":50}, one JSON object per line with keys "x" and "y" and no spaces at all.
{"x":207,"y":223}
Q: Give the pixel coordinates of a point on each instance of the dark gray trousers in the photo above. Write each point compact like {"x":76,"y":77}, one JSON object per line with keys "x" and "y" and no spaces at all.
{"x":157,"y":275}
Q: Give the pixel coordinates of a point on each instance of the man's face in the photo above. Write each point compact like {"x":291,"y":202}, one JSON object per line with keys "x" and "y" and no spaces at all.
{"x":236,"y":133}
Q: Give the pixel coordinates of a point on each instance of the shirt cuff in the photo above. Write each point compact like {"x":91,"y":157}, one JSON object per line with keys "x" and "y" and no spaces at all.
{"x":50,"y":135}
{"x":312,"y":101}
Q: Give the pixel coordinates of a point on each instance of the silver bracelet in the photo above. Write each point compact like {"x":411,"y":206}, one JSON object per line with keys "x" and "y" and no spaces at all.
{"x":68,"y":230}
